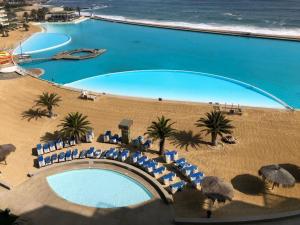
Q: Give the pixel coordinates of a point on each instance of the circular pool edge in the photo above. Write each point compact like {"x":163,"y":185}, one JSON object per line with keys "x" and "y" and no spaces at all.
{"x":146,"y":194}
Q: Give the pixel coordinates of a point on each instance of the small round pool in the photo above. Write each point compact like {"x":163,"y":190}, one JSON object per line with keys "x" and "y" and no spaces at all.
{"x":98,"y":188}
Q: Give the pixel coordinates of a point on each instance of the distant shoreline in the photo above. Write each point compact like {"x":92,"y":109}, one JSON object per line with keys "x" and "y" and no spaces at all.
{"x":210,"y":31}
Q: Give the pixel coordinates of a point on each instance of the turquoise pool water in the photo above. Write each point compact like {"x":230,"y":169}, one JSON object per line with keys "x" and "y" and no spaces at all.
{"x":98,"y":188}
{"x":177,"y":85}
{"x":268,"y":64}
{"x":40,"y":42}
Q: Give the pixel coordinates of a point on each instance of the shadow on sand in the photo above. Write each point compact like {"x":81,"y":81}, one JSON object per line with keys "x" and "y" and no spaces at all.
{"x":34,"y":114}
{"x":186,"y":140}
{"x":248,"y":184}
{"x":293,"y":169}
{"x":56,"y":135}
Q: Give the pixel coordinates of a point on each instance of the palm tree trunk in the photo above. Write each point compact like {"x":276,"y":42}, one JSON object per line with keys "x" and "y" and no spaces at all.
{"x":77,"y":139}
{"x":162,"y":146}
{"x":214,"y":139}
{"x":50,"y":112}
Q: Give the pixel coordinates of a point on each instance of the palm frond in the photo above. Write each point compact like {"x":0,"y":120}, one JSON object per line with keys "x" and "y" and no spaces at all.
{"x":75,"y":125}
{"x":215,"y":122}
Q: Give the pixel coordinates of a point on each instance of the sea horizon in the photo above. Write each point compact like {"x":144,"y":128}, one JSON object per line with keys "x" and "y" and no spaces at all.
{"x":262,"y":17}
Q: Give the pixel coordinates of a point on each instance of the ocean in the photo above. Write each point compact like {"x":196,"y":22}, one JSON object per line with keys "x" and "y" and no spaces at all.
{"x":280,"y":17}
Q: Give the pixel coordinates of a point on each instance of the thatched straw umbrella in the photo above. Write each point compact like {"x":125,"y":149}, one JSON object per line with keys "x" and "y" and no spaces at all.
{"x":277,"y":176}
{"x":5,"y":150}
{"x":216,"y":189}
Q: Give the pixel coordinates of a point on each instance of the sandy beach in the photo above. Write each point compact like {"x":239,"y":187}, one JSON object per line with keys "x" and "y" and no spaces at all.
{"x":265,"y":136}
{"x":17,"y":36}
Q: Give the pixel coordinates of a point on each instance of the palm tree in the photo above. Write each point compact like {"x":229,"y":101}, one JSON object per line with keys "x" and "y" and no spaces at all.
{"x":33,"y":14}
{"x":49,"y":101}
{"x":161,"y":129}
{"x":26,"y":16}
{"x":75,"y":125}
{"x":26,"y":26}
{"x":2,"y":30}
{"x":215,"y":123}
{"x":78,"y":10}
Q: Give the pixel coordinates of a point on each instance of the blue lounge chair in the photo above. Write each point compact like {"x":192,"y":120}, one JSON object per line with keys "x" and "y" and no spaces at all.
{"x":135,"y":156}
{"x":46,"y":148}
{"x":59,"y":144}
{"x":189,"y":170}
{"x":41,"y":161}
{"x":142,"y":160}
{"x":147,"y":144}
{"x":150,"y":166}
{"x":173,"y":188}
{"x":75,"y":154}
{"x":72,"y":142}
{"x":68,"y":155}
{"x":197,"y":183}
{"x":115,"y":155}
{"x":180,"y":164}
{"x":90,"y":152}
{"x":66,"y":143}
{"x":124,"y":155}
{"x":170,"y":156}
{"x":114,"y":139}
{"x":47,"y":160}
{"x":168,"y":177}
{"x":107,"y":136}
{"x":39,"y":149}
{"x":158,"y":171}
{"x":195,"y":176}
{"x":54,"y":158}
{"x":52,"y":146}
{"x":82,"y":154}
{"x":89,"y":136}
{"x":97,"y":154}
{"x":110,"y":152}
{"x":61,"y":157}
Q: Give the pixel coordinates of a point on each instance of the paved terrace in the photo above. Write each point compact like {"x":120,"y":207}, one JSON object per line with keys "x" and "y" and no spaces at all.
{"x":37,"y":202}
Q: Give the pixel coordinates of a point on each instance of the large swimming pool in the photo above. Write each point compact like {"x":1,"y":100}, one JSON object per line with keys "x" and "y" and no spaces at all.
{"x":98,"y":188}
{"x":270,"y":65}
{"x":178,"y":85}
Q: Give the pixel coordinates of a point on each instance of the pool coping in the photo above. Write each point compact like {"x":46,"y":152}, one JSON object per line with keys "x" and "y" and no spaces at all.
{"x":91,"y":163}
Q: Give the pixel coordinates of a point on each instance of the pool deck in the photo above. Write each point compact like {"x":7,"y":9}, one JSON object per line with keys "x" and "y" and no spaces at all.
{"x":37,"y":202}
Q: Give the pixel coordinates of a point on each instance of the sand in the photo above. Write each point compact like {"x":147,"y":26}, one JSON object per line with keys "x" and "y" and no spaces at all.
{"x":265,"y":136}
{"x":16,"y":36}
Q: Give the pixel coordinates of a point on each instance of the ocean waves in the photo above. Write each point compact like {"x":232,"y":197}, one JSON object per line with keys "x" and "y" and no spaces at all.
{"x":249,"y":29}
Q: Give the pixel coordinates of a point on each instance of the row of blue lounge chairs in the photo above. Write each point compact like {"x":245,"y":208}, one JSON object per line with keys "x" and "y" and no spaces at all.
{"x":53,"y":146}
{"x":69,"y":155}
{"x":137,"y":158}
{"x":191,"y":172}
{"x":152,"y":167}
{"x":170,"y":156}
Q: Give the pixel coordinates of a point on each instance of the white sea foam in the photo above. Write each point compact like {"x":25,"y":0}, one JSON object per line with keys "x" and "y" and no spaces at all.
{"x":286,"y":32}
